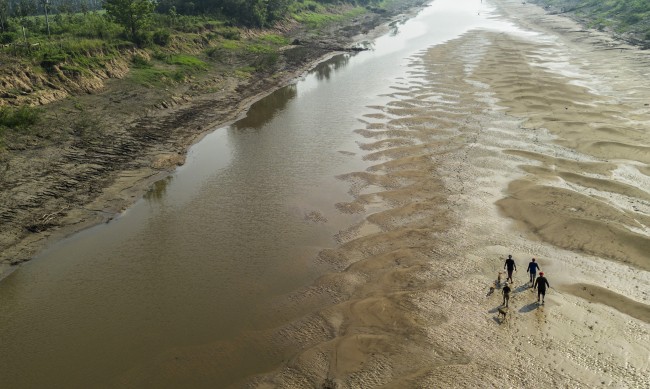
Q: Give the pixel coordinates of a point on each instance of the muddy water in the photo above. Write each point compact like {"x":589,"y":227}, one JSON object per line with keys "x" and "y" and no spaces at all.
{"x":201,"y":258}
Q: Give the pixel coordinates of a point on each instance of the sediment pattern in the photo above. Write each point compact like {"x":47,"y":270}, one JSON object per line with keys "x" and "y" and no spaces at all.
{"x":484,"y":128}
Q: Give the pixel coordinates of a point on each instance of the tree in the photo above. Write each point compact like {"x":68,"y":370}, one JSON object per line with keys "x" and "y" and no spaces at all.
{"x":277,"y":9}
{"x":4,"y":15}
{"x":133,"y":15}
{"x":46,"y":8}
{"x":24,"y":8}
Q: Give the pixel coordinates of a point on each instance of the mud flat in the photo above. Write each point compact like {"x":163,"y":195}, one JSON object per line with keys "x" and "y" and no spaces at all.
{"x":531,"y":142}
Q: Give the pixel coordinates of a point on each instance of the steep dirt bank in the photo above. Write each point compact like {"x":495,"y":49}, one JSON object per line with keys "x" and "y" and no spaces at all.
{"x":94,"y":154}
{"x":22,"y":84}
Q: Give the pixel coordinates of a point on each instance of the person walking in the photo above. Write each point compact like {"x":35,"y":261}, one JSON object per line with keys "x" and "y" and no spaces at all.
{"x":510,"y":266}
{"x":541,"y":283}
{"x":532,"y":270}
{"x":506,"y":294}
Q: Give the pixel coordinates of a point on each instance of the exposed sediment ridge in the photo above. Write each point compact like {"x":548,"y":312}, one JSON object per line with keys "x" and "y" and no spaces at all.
{"x":489,"y":125}
{"x":604,"y":296}
{"x":586,"y":208}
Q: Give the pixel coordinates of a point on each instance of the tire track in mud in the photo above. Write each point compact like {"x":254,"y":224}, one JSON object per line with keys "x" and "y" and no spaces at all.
{"x":76,"y":176}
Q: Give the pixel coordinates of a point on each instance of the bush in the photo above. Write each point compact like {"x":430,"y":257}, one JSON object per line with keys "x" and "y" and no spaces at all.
{"x":632,"y":19}
{"x":8,"y":37}
{"x":49,"y":61}
{"x":212,"y":52}
{"x":159,"y":55}
{"x":140,"y":61}
{"x":18,"y":117}
{"x":266,"y":61}
{"x":161,"y":37}
{"x":143,"y":39}
{"x":230,"y":33}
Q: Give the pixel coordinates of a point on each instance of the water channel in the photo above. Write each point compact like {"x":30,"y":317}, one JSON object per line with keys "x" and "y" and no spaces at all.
{"x":199,"y":259}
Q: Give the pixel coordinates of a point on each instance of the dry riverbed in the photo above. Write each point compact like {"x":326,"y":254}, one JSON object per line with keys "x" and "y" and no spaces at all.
{"x":531,"y":144}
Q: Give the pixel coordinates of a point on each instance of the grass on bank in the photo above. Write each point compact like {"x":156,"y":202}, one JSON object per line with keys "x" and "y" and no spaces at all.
{"x":622,"y":16}
{"x":17,"y":120}
{"x":21,"y":117}
{"x":316,"y":16}
{"x":164,"y":69}
{"x":74,"y":38}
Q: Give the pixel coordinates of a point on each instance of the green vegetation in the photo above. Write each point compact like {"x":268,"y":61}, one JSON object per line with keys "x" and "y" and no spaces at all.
{"x":133,"y":15}
{"x":18,"y":117}
{"x":158,"y":72}
{"x":69,"y":36}
{"x":316,"y":16}
{"x":622,"y":16}
{"x":187,"y":62}
{"x":55,"y":42}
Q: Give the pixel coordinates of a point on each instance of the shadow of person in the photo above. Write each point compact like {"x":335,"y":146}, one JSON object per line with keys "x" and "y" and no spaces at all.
{"x":495,"y":309}
{"x":530,"y":307}
{"x":522,"y":288}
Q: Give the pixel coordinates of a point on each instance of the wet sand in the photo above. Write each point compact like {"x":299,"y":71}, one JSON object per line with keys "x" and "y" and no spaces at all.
{"x":498,"y":143}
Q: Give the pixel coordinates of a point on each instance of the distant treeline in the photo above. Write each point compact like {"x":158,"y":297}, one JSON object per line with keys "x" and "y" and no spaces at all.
{"x":621,"y":16}
{"x":250,"y":13}
{"x":22,"y":8}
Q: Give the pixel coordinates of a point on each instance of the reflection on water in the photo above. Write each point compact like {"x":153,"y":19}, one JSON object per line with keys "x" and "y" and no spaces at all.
{"x":325,"y":70}
{"x":264,"y":110}
{"x":158,"y":190}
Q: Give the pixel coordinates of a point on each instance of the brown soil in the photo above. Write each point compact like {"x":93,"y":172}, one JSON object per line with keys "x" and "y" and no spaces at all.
{"x":96,"y":153}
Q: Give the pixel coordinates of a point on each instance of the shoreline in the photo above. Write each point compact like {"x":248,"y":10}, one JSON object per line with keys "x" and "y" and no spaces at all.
{"x":126,"y":186}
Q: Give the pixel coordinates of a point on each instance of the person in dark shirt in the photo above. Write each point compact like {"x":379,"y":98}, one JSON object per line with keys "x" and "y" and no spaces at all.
{"x":506,"y":294}
{"x":541,"y":284}
{"x":510,"y":266}
{"x":532,"y":270}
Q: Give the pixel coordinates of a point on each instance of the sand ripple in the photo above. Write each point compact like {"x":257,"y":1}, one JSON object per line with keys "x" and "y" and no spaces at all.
{"x":486,"y":126}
